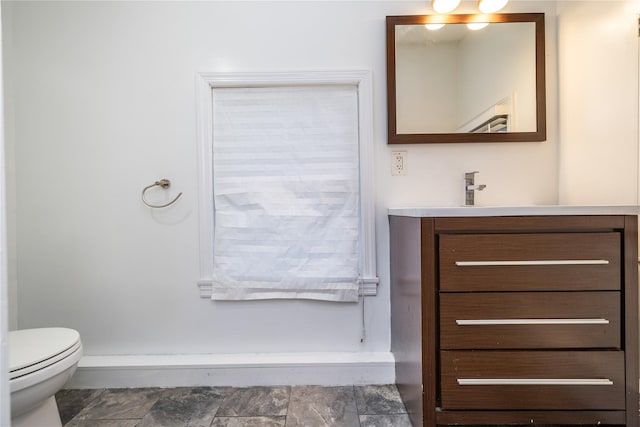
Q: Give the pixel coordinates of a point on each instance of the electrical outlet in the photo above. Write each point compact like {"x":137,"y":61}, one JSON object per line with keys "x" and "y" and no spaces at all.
{"x":398,"y":163}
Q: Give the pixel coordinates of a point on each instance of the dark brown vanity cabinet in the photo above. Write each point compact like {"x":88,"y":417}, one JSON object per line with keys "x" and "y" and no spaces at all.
{"x":516,"y":320}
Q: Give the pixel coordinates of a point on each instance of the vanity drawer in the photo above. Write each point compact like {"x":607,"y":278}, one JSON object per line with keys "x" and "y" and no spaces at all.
{"x":568,"y":380}
{"x":527,"y":320}
{"x":521,"y":262}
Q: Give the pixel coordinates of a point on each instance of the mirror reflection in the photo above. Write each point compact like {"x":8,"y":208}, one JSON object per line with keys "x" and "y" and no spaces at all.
{"x":452,"y":83}
{"x":455,"y":79}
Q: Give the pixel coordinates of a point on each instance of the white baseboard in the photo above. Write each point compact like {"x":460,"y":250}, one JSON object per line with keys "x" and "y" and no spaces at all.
{"x":237,"y":370}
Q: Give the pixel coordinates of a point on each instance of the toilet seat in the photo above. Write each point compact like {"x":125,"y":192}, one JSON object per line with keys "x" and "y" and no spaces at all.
{"x":32,"y":350}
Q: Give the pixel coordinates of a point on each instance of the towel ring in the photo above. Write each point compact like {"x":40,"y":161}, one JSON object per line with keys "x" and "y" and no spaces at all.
{"x":163,"y":183}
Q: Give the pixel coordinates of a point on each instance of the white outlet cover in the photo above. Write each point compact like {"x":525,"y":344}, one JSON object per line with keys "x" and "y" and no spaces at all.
{"x":399,"y":163}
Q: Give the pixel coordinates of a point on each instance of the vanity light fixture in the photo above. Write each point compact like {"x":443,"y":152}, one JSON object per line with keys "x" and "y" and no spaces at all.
{"x":485,"y":6}
{"x":433,"y":27}
{"x":445,"y":6}
{"x":491,"y":6}
{"x":474,"y":26}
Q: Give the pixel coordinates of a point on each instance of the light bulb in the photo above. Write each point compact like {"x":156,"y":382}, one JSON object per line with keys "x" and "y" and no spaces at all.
{"x":445,"y":6}
{"x":476,"y":25}
{"x":433,"y":27}
{"x":491,"y":6}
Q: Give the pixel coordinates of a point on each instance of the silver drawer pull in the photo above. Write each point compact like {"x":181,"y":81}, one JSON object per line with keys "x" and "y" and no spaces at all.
{"x":534,"y":381}
{"x":540,"y":262}
{"x":488,"y":322}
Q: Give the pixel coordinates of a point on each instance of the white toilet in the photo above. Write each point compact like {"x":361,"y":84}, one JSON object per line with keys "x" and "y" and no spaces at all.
{"x":41,"y":361}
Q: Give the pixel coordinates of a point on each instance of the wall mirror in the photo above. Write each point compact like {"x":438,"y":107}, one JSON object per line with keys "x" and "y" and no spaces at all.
{"x":457,"y":84}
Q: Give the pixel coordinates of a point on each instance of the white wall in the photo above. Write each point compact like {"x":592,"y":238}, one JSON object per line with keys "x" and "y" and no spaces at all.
{"x":5,"y":408}
{"x":598,"y":98}
{"x":499,"y":62}
{"x":9,"y":165}
{"x":103,"y":98}
{"x":425,"y":73}
{"x":104,"y":105}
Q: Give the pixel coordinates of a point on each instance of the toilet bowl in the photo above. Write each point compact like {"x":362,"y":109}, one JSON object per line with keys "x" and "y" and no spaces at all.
{"x":41,"y":361}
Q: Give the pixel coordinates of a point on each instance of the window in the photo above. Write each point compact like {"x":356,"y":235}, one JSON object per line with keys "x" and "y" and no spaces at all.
{"x":286,"y":207}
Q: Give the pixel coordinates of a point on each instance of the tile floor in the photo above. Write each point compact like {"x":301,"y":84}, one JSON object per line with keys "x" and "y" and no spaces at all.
{"x":295,"y":406}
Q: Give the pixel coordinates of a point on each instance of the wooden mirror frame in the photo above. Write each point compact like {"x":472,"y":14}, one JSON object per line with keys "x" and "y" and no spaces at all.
{"x":432,"y":138}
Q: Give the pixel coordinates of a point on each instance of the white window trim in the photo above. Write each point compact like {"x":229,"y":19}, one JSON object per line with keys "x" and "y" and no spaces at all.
{"x":206,"y":82}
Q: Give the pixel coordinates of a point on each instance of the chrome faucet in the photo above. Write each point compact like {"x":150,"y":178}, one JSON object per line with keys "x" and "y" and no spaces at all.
{"x":470,"y":187}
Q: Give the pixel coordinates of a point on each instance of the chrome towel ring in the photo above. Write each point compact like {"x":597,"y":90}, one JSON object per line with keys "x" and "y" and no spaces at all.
{"x":163,"y":183}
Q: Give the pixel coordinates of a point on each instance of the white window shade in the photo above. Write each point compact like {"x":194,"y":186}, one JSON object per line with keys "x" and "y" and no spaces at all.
{"x":320,"y":134}
{"x":286,"y":193}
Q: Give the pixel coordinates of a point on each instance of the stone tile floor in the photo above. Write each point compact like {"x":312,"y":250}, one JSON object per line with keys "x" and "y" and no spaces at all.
{"x":295,"y":406}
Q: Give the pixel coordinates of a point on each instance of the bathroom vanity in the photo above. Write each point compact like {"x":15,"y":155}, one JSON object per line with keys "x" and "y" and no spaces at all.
{"x":516,"y":315}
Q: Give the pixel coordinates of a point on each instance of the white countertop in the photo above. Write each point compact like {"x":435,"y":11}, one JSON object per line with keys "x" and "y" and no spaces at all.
{"x":465,"y":211}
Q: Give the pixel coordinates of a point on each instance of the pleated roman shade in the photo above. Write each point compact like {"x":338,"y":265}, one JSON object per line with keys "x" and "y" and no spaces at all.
{"x":286,"y":193}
